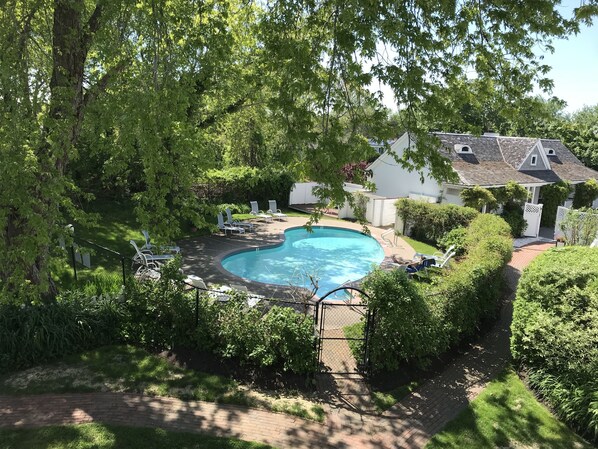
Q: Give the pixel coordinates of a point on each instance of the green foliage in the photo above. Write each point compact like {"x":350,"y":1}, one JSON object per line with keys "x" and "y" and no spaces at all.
{"x":429,"y":222}
{"x":506,"y":414}
{"x":513,"y":215}
{"x":585,"y":194}
{"x":414,"y":323}
{"x":477,"y":197}
{"x":455,"y":237}
{"x":554,"y":329}
{"x":105,"y":436}
{"x":553,"y":196}
{"x":280,"y":337}
{"x":36,"y":333}
{"x":244,"y":184}
{"x":511,"y":193}
{"x":580,"y":226}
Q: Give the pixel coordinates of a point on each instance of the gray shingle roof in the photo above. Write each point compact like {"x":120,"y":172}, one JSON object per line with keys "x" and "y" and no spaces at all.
{"x":495,"y":160}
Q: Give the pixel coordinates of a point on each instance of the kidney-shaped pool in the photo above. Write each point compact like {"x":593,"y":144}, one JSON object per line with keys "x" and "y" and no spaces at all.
{"x":332,"y":255}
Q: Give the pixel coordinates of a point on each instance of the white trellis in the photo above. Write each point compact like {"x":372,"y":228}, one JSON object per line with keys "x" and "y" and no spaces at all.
{"x":532,"y":213}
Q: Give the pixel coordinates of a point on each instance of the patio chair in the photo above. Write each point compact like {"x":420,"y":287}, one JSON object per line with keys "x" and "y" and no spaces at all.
{"x":441,"y":263}
{"x":437,"y":255}
{"x":275,"y":212}
{"x":242,"y":224}
{"x":415,"y":267}
{"x":226,"y":227}
{"x":258,"y":213}
{"x":144,"y":257}
{"x":164,"y":249}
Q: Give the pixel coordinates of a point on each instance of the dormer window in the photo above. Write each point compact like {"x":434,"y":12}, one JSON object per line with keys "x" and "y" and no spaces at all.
{"x":550,"y":152}
{"x":534,"y":160}
{"x":464,"y":149}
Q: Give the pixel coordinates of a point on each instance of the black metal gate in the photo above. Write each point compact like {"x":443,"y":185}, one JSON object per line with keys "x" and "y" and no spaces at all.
{"x":343,"y":329}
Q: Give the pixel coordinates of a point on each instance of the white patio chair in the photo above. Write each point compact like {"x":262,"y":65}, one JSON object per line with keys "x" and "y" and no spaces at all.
{"x":226,"y":227}
{"x":275,"y":212}
{"x":242,"y":224}
{"x":441,"y":263}
{"x":164,"y":249}
{"x":145,"y":256}
{"x":258,"y":213}
{"x":437,"y":255}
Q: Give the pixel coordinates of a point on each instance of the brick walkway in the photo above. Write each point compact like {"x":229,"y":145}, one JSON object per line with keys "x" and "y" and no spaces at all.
{"x":409,"y":424}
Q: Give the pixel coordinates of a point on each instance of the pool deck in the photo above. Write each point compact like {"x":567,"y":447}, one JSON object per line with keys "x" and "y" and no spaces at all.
{"x":202,"y":255}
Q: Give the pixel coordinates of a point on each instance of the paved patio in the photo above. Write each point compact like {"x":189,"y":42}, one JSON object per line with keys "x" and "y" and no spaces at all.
{"x":202,"y":255}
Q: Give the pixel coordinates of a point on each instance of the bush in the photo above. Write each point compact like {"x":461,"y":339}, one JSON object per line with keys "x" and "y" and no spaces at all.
{"x":455,"y":238}
{"x":555,"y":333}
{"x":280,"y":338}
{"x":416,"y":325}
{"x":514,"y":217}
{"x":585,"y":194}
{"x":553,"y":195}
{"x":36,"y":333}
{"x":429,"y":222}
{"x":244,"y":184}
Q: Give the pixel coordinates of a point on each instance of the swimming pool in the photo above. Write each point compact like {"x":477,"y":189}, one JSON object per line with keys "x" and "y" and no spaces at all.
{"x":332,"y":255}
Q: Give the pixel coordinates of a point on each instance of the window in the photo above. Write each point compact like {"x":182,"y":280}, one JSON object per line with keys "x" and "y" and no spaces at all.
{"x":534,"y":160}
{"x":550,"y":152}
{"x":463,"y":149}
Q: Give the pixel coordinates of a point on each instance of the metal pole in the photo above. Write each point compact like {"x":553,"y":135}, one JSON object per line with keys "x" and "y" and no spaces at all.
{"x":122,"y":263}
{"x":74,"y":262}
{"x":196,"y":307}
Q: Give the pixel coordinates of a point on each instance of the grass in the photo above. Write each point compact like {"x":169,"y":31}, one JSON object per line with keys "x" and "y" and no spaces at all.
{"x":506,"y":414}
{"x":100,"y":436}
{"x":130,"y":369}
{"x":419,"y":247}
{"x":355,"y":331}
{"x":384,"y":400}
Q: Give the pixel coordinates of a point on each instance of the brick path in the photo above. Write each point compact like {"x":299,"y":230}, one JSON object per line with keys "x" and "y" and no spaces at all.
{"x":409,"y":424}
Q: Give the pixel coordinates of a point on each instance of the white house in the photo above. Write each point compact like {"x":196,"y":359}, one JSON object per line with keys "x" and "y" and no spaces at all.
{"x":488,"y":161}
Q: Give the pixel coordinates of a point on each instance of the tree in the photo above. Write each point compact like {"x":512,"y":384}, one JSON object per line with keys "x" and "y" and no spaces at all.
{"x":477,"y":197}
{"x":149,"y":83}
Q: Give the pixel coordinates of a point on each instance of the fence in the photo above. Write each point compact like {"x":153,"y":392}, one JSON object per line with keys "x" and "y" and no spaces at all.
{"x":302,"y":193}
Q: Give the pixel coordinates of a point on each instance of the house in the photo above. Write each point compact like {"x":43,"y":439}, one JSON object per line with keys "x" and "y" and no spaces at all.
{"x":489,"y":161}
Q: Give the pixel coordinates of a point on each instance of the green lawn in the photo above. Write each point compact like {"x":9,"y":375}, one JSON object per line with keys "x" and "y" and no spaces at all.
{"x":100,"y":436}
{"x":383,"y":400}
{"x":419,"y":247}
{"x":130,"y":369}
{"x":506,"y":415}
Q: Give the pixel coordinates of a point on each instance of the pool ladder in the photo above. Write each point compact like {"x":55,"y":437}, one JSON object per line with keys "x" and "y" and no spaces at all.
{"x":387,"y":240}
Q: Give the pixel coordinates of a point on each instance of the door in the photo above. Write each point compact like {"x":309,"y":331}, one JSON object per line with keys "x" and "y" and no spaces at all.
{"x":532,"y":213}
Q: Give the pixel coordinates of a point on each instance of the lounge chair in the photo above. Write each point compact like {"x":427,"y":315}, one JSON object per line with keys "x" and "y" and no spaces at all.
{"x":242,"y":224}
{"x":423,"y":264}
{"x":144,"y":257}
{"x":441,"y":262}
{"x":437,"y":255}
{"x":163,"y":249}
{"x":275,"y":212}
{"x":258,"y":213}
{"x":226,"y":227}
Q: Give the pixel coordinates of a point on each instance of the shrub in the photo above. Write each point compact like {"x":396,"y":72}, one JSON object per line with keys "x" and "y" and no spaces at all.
{"x":580,"y":226}
{"x":553,"y":195}
{"x":585,"y":194}
{"x":39,"y":332}
{"x":415,"y":325}
{"x":429,"y":222}
{"x":244,"y":184}
{"x":555,"y":333}
{"x":477,"y":197}
{"x":456,"y":238}
{"x":513,"y":215}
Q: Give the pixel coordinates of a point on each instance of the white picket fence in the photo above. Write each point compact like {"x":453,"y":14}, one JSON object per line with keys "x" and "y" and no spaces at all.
{"x":302,"y":193}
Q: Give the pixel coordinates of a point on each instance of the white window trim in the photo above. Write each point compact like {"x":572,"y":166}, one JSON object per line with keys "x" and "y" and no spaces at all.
{"x":534,"y":160}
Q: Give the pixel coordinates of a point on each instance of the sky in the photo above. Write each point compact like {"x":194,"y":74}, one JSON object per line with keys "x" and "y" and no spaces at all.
{"x":574,"y":66}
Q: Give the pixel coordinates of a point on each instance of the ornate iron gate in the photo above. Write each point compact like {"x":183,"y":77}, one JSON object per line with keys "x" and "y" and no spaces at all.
{"x":343,"y":331}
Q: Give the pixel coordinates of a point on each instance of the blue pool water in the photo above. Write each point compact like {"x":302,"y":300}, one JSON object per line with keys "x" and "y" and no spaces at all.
{"x":332,"y":255}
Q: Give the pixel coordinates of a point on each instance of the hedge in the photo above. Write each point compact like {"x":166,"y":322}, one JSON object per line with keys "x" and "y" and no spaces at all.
{"x":555,"y":333}
{"x":417,"y":322}
{"x":244,"y":184}
{"x":429,"y":222}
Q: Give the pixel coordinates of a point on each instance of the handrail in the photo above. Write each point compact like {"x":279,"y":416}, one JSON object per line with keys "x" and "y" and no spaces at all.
{"x":385,"y":233}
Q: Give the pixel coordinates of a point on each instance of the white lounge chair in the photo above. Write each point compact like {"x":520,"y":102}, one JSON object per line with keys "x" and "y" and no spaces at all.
{"x":441,"y":262}
{"x":144,"y":257}
{"x":275,"y":212}
{"x":437,"y":255}
{"x":226,"y":227}
{"x":258,"y":213}
{"x":242,"y":224}
{"x":164,"y":249}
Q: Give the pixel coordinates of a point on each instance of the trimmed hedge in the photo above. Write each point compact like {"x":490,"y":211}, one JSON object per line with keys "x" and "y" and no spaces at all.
{"x":555,"y":333}
{"x":244,"y":184}
{"x":429,"y":222}
{"x":415,"y":323}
